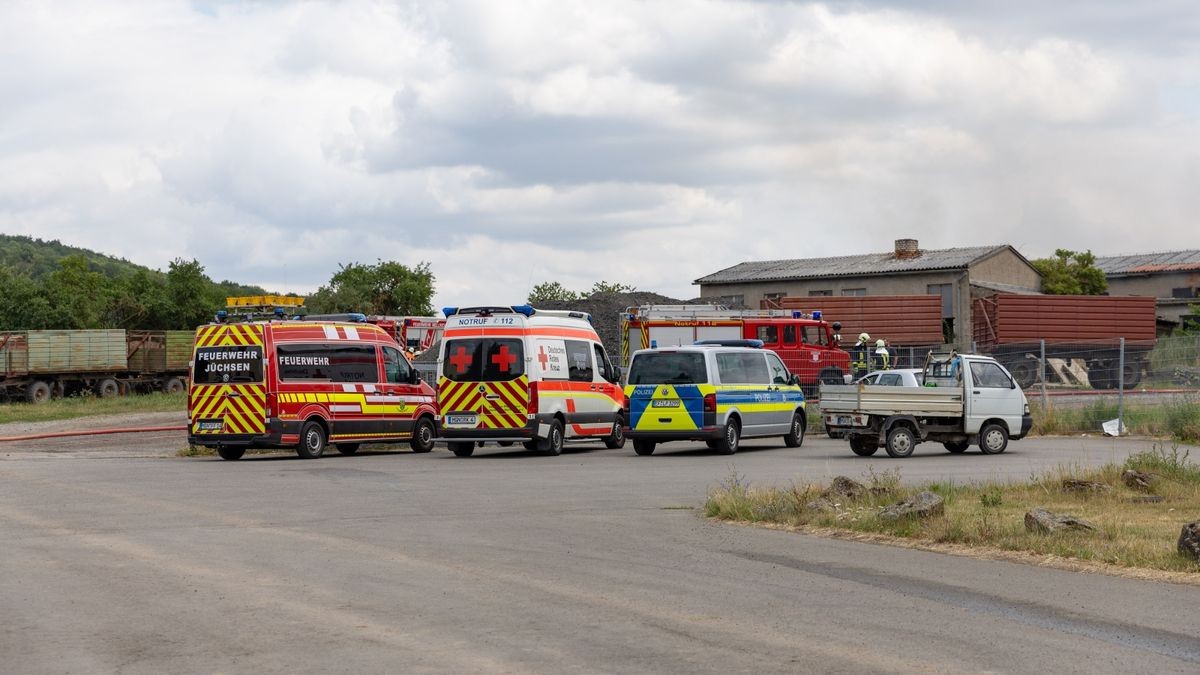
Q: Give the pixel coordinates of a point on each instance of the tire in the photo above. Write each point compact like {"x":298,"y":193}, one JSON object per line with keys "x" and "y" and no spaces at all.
{"x":462,"y":448}
{"x":553,"y":443}
{"x":347,"y":448}
{"x":312,"y":440}
{"x":957,"y":447}
{"x":861,"y":447}
{"x":1023,"y":372}
{"x":616,"y":439}
{"x":423,"y":436}
{"x":993,"y":439}
{"x":795,"y":438}
{"x":900,"y":442}
{"x":1133,"y":375}
{"x":231,"y":454}
{"x":37,"y":392}
{"x":643,"y":447}
{"x":175,"y":385}
{"x":730,"y":437}
{"x":107,"y":388}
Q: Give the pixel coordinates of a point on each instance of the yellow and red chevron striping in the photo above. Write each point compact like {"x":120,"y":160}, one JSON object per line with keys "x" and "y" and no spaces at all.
{"x":499,"y":405}
{"x":225,"y":335}
{"x":243,"y":413}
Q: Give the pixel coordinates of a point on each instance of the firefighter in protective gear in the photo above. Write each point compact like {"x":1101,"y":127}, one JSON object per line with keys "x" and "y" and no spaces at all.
{"x":883,"y":358}
{"x":860,"y":355}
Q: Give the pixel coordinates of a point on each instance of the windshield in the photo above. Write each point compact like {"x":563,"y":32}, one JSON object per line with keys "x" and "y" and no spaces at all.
{"x":668,"y":368}
{"x":483,"y":360}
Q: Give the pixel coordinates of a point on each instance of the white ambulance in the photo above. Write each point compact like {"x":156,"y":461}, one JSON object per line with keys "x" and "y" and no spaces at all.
{"x":521,"y":375}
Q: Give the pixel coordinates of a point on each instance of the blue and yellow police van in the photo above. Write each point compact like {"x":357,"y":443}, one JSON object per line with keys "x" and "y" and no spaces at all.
{"x":717,"y":391}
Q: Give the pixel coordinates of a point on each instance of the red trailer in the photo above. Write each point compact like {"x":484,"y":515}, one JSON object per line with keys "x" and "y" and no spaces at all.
{"x":1085,"y":327}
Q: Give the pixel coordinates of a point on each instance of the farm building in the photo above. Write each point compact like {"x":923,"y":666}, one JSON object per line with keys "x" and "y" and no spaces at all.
{"x":1172,"y":277}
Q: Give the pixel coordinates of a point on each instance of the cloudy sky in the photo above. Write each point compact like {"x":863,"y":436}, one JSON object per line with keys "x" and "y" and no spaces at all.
{"x":509,"y":143}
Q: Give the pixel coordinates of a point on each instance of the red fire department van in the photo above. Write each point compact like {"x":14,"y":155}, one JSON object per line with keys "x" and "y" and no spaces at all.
{"x":803,"y":341}
{"x":304,"y":384}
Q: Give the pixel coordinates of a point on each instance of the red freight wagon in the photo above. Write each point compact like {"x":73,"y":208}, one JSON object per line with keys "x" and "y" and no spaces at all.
{"x":905,"y":320}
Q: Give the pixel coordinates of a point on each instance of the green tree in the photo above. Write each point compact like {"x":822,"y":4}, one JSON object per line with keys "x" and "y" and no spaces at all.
{"x":549,"y":291}
{"x":611,"y":287}
{"x":190,"y":295}
{"x":23,"y":303}
{"x":388,"y":288}
{"x":1071,"y":273}
{"x":77,"y":294}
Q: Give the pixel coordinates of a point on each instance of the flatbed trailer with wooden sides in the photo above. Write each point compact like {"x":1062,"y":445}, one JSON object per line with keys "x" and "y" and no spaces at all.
{"x":973,"y":401}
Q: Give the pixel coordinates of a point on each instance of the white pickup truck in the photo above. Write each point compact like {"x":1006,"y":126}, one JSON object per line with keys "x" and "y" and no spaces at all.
{"x":973,"y":400}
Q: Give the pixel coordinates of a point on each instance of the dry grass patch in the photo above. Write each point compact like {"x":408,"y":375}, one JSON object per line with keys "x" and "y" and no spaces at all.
{"x":1133,"y":534}
{"x":84,"y":406}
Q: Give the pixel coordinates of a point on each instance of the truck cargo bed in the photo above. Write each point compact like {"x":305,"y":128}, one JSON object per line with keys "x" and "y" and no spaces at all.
{"x":885,"y":400}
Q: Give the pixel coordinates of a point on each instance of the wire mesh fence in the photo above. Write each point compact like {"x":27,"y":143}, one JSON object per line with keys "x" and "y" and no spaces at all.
{"x":1115,"y":387}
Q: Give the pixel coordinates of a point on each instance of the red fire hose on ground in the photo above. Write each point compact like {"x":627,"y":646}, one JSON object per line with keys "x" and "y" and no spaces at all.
{"x":91,"y":432}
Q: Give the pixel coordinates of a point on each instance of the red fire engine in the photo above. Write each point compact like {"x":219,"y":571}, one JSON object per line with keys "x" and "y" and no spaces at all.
{"x":414,"y":333}
{"x":803,"y":341}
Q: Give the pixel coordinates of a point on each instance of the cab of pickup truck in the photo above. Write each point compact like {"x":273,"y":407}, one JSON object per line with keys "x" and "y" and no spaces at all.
{"x":989,"y":393}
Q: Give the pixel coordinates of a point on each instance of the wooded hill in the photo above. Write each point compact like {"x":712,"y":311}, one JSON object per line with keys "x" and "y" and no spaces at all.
{"x":50,"y":285}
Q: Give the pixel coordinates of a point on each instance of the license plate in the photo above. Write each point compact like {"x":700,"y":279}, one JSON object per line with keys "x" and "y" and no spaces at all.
{"x":664,"y":403}
{"x":461,"y":420}
{"x":845,"y":420}
{"x":210,"y":425}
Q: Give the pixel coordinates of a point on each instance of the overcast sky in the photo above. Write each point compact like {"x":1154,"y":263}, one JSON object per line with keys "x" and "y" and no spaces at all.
{"x":651,"y":143}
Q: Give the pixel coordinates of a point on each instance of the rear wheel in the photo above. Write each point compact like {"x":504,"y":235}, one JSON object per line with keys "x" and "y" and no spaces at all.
{"x":312,"y":440}
{"x":553,"y":444}
{"x":957,"y":447}
{"x":462,"y":448}
{"x":175,"y":385}
{"x":1133,"y":375}
{"x":862,"y":447}
{"x":616,"y":439}
{"x":37,"y":392}
{"x":730,"y":437}
{"x":900,"y":442}
{"x":231,"y":453}
{"x":423,"y":435}
{"x":347,"y":448}
{"x":643,"y":447}
{"x":993,"y":439}
{"x":107,"y":388}
{"x":795,"y":437}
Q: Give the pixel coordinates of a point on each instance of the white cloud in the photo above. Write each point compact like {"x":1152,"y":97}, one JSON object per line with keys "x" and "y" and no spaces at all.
{"x":651,"y":143}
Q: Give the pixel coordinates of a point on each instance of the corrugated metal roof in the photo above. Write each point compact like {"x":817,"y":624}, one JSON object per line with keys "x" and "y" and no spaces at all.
{"x":1006,"y":288}
{"x":1146,"y":263}
{"x":849,"y":265}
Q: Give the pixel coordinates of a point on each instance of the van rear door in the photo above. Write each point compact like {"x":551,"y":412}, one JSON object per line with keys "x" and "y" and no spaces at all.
{"x":664,"y":391}
{"x":484,"y":384}
{"x":228,"y":396}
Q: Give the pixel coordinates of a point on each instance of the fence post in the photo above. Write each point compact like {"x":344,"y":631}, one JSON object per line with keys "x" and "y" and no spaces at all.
{"x":1042,"y":376}
{"x":1121,"y":390}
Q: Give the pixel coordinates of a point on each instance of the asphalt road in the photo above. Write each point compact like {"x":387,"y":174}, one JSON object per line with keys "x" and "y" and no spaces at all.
{"x":595,"y":561}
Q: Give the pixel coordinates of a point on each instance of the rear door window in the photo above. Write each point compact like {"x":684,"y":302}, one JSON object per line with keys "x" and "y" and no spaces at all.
{"x":327,"y":362}
{"x":742,"y":368}
{"x":484,"y":360}
{"x":579,"y":361}
{"x":668,"y":368}
{"x":228,"y":365}
{"x":890,"y":380}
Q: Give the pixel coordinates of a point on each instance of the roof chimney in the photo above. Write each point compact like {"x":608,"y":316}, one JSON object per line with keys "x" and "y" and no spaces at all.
{"x":906,"y":249}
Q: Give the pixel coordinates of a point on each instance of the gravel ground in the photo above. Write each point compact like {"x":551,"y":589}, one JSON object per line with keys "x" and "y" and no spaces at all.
{"x":153,"y":444}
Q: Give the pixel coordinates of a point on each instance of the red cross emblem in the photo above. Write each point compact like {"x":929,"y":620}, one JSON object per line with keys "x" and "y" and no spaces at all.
{"x":504,"y":359}
{"x":461,"y":360}
{"x":542,"y":358}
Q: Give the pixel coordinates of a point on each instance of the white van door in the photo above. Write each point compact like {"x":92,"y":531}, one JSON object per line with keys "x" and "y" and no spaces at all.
{"x":990,"y":394}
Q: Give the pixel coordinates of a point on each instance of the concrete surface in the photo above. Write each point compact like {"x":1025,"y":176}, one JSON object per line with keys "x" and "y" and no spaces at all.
{"x":595,"y":561}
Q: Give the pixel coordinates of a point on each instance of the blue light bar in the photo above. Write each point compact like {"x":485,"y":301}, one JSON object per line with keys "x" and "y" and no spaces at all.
{"x":527,"y":310}
{"x":816,"y":314}
{"x":797,"y":314}
{"x":357,"y":317}
{"x":449,"y":311}
{"x":222,"y":315}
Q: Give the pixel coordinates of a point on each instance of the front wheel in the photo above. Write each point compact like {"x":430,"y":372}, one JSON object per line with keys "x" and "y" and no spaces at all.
{"x":795,"y":437}
{"x":616,"y":439}
{"x":957,"y":447}
{"x":231,"y":454}
{"x":643,"y":447}
{"x":553,"y":444}
{"x":728,"y":443}
{"x":993,"y":439}
{"x":423,"y":435}
{"x":175,"y":385}
{"x":462,"y":449}
{"x":900,"y":442}
{"x":312,"y":441}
